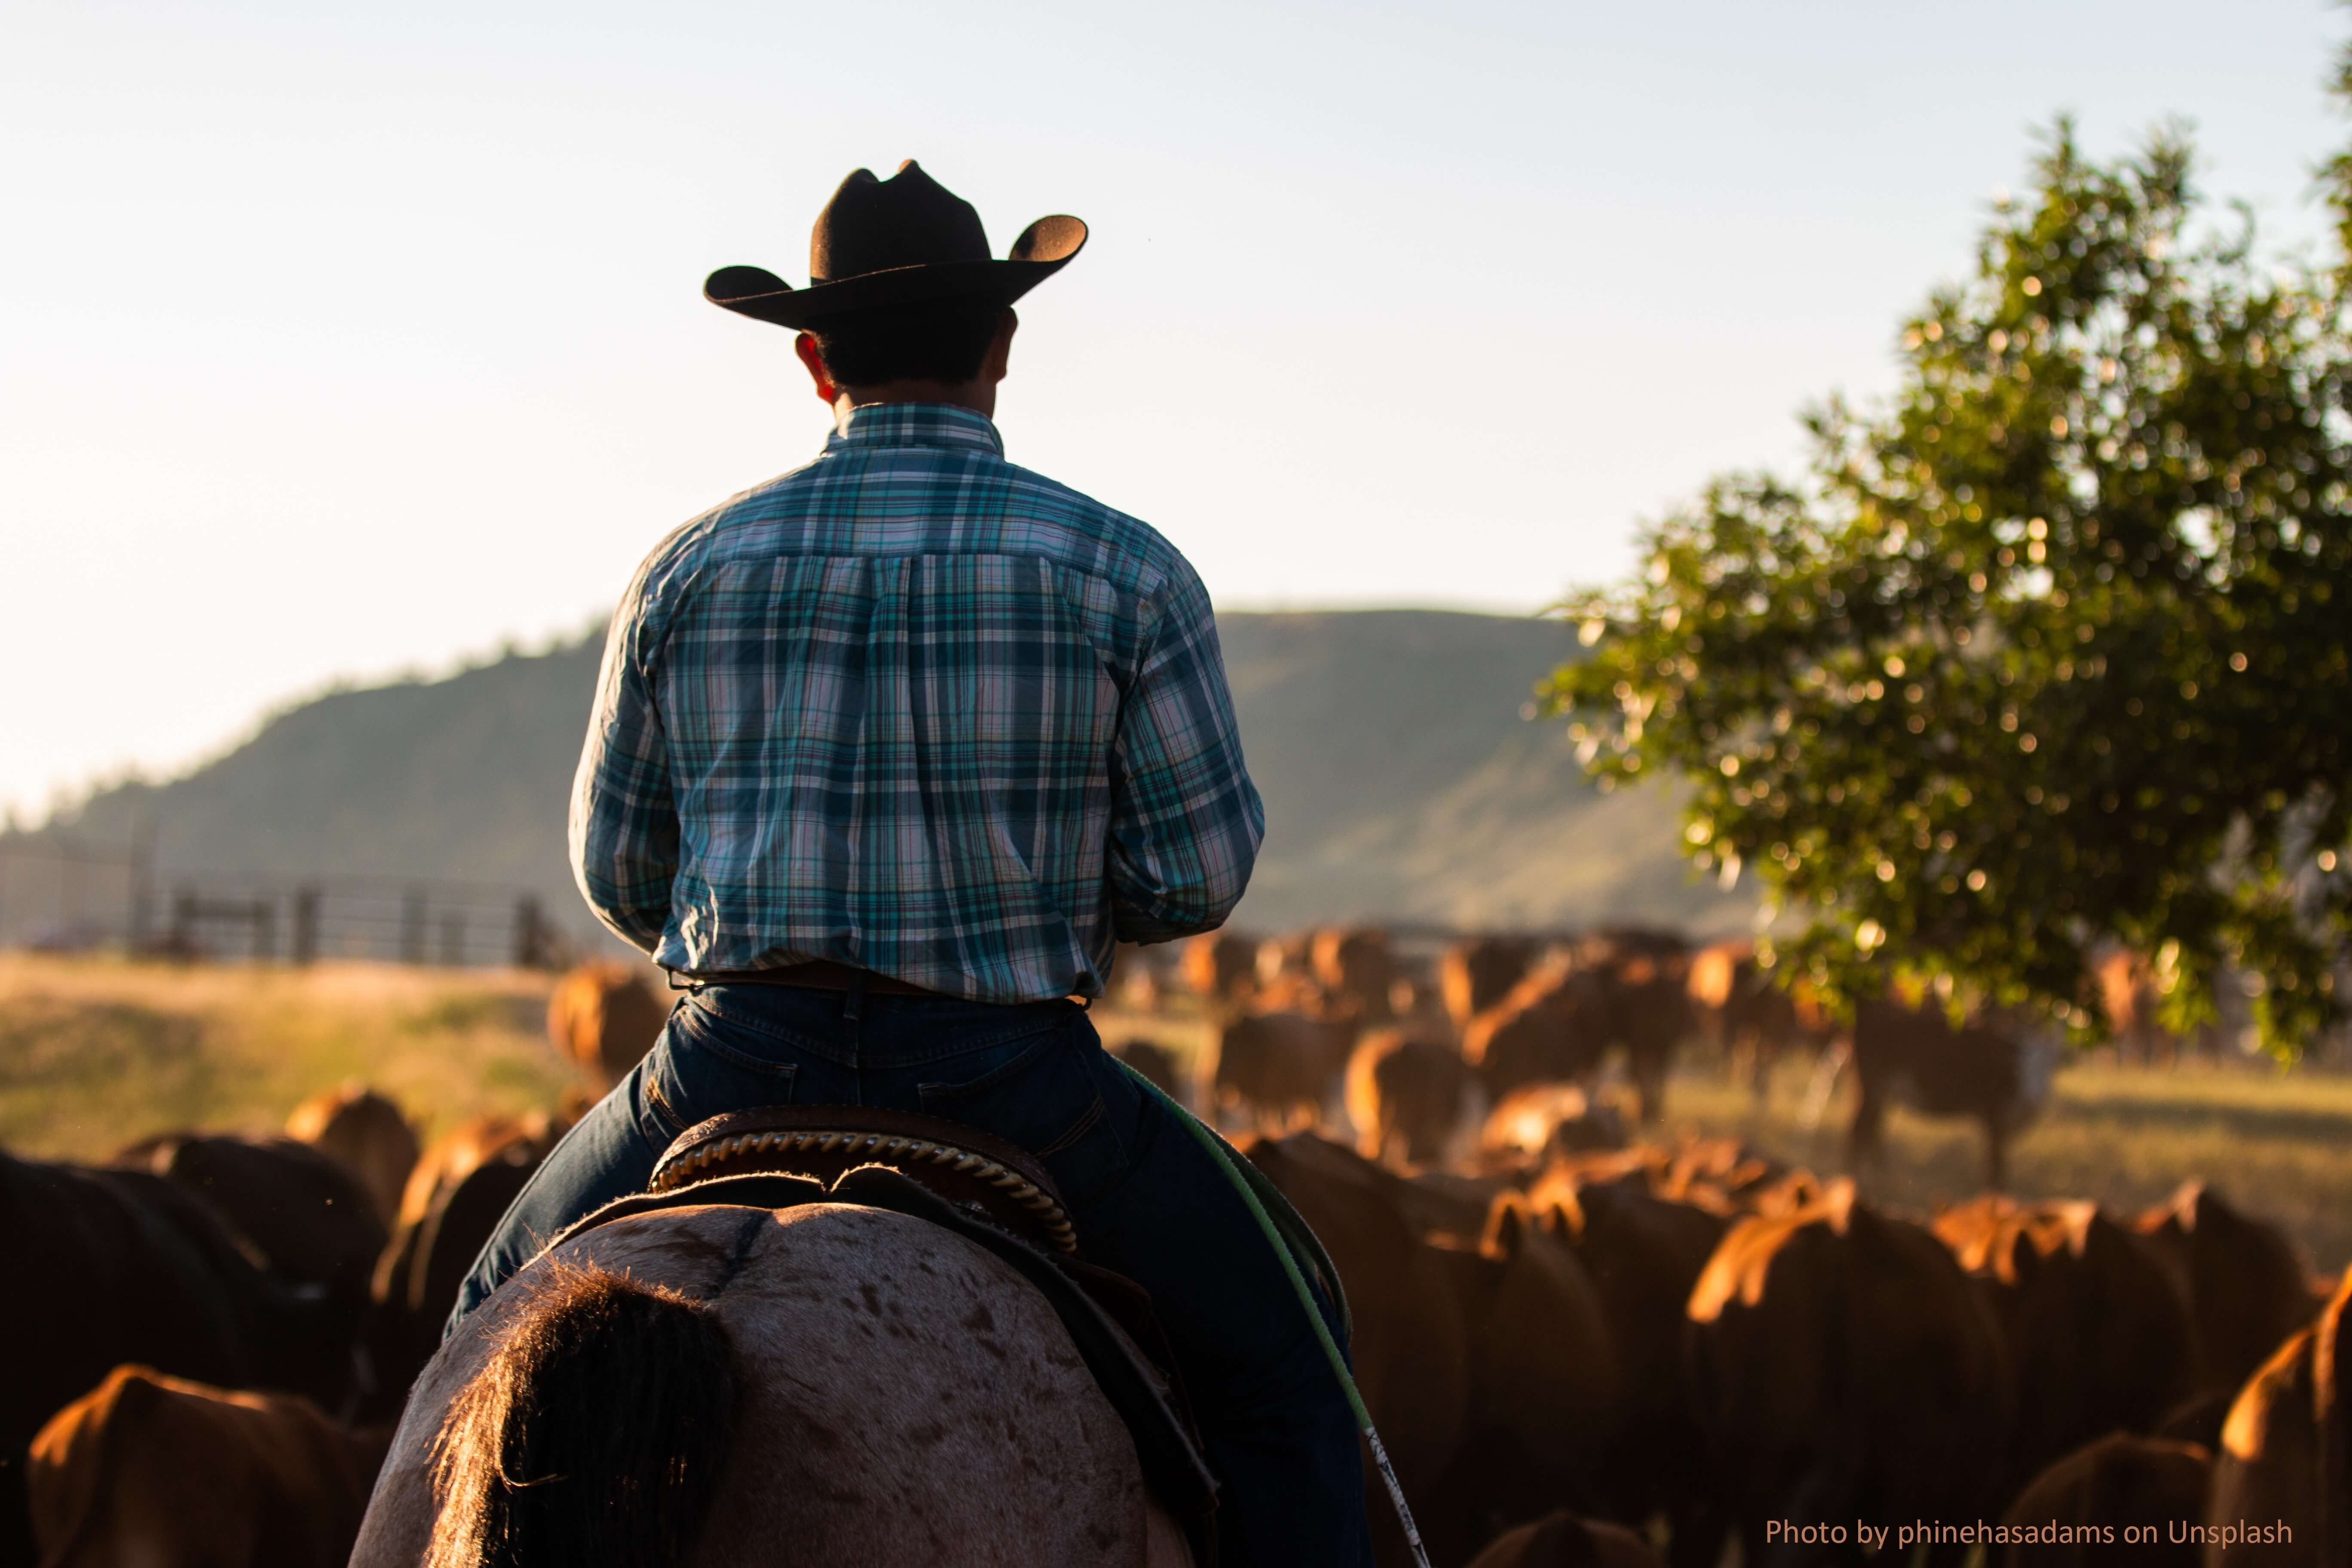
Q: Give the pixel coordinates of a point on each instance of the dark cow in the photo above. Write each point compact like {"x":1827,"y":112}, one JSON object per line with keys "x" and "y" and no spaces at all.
{"x":164,"y":1473}
{"x":1410,"y":1351}
{"x":1282,"y":1067}
{"x":2286,"y":1447}
{"x":1563,"y":1540}
{"x":2245,"y":1282}
{"x":2093,"y":1494}
{"x":1912,"y":1054}
{"x":307,"y":1216}
{"x":367,"y":1134}
{"x":1645,"y":1255}
{"x":132,"y":1268}
{"x":1475,"y":975}
{"x":1844,"y":1369}
{"x":1408,"y":1095}
{"x":1546,"y":1382}
{"x":2097,"y":1331}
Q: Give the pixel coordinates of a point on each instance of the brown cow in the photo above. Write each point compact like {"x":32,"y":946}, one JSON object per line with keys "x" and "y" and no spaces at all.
{"x":1477,"y":974}
{"x":1541,"y":1119}
{"x":366,"y":1132}
{"x":603,"y":1017}
{"x":1356,"y":969}
{"x":2097,"y":1331}
{"x":123,"y":1266}
{"x":2132,"y":991}
{"x":1221,"y":965}
{"x":1645,"y":1255}
{"x":1982,"y":1069}
{"x":2245,"y":1282}
{"x":455,"y":1198}
{"x":2286,"y":1447}
{"x":1411,"y":1351}
{"x":1137,"y":975}
{"x":1647,"y":974}
{"x":1844,"y":1369}
{"x":155,"y":1471}
{"x":1748,"y":1017}
{"x":1560,"y":1020}
{"x":1551,"y":1028}
{"x":1408,"y":1095}
{"x":2094,"y":1493}
{"x":1563,"y":1540}
{"x":1281,"y":1067}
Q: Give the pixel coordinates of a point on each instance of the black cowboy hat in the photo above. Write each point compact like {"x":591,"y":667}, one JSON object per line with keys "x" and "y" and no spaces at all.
{"x":900,"y":241}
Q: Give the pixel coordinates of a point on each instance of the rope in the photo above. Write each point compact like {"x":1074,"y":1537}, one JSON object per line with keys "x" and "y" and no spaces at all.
{"x":1287,"y":1233}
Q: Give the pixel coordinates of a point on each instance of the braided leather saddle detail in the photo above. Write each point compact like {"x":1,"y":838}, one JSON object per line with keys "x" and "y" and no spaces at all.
{"x":969,"y":1169}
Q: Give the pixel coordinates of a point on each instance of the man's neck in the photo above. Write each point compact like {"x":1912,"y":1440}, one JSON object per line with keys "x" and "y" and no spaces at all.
{"x":980,"y":396}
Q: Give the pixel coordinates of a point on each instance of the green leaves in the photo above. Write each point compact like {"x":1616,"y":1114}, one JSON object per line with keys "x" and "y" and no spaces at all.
{"x":2049,"y":651}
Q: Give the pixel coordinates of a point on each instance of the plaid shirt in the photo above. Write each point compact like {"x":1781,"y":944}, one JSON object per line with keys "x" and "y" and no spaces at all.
{"x":914,"y":708}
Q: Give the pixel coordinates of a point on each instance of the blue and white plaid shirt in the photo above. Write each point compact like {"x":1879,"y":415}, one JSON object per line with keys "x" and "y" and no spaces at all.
{"x":914,"y":708}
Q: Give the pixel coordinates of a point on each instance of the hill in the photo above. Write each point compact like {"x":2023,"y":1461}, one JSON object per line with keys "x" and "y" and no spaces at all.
{"x":1402,"y":781}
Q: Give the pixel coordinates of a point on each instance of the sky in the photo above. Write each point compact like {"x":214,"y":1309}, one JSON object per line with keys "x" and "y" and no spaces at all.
{"x":338,"y":341}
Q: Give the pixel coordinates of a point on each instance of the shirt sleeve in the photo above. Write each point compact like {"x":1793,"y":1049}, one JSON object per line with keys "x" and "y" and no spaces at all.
{"x":1185,"y":819}
{"x":624,"y":824}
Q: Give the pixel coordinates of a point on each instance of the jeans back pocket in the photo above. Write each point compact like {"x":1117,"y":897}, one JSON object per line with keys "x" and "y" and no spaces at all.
{"x":694,"y":1073}
{"x":1046,"y":1099}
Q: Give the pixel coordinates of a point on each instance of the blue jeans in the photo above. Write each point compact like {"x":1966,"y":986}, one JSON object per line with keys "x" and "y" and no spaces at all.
{"x":1146,"y":1200}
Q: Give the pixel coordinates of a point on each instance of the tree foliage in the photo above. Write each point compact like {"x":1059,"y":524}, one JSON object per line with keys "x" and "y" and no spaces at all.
{"x":2048,"y":652}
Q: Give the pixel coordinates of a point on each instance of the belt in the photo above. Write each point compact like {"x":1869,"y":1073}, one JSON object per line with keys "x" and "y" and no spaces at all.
{"x":816,"y":974}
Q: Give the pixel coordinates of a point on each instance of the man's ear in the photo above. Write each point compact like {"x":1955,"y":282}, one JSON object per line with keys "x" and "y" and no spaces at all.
{"x":806,"y":346}
{"x":1000,"y":348}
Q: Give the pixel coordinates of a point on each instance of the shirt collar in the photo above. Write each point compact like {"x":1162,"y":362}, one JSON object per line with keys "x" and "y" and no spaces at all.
{"x":916,"y":425}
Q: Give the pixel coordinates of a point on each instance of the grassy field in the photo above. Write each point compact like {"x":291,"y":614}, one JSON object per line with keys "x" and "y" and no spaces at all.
{"x":95,"y":1053}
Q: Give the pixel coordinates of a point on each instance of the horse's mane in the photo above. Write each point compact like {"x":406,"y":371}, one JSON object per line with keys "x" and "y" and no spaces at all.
{"x":520,"y":1486}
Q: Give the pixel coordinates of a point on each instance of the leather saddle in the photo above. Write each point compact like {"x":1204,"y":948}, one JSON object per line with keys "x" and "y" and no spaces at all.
{"x":984,"y":1189}
{"x":975,"y":1172}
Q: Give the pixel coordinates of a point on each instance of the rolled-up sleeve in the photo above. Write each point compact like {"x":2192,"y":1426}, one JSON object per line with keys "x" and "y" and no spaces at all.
{"x":624,"y":820}
{"x":1186,"y":821}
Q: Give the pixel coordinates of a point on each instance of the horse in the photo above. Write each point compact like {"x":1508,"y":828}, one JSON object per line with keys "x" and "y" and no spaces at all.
{"x":723,"y":1383}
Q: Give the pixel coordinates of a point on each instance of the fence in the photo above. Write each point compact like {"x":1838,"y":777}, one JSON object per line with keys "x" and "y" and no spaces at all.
{"x":62,"y":894}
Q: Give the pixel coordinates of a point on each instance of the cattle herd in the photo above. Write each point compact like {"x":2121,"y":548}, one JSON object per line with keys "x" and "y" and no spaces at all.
{"x":1583,"y":1342}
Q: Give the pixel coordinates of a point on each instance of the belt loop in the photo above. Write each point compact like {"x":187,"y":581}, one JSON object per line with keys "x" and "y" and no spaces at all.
{"x":854,"y":997}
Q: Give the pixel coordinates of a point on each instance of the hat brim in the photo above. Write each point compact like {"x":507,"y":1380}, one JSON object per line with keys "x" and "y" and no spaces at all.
{"x":1044,"y":248}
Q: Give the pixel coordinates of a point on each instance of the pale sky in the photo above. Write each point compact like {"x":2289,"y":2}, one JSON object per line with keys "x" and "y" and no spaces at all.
{"x":338,"y":341}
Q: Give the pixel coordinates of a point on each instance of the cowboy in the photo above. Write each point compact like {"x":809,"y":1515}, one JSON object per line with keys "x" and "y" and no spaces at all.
{"x":886,"y":753}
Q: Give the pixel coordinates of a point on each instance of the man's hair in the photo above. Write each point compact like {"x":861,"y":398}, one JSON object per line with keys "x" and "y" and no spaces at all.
{"x":942,"y":340}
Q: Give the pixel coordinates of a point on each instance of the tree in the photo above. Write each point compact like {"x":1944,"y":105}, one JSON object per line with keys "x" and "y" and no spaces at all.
{"x":2049,"y":650}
